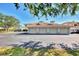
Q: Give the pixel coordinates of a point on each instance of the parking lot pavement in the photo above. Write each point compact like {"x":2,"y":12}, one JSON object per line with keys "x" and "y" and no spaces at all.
{"x":19,"y":38}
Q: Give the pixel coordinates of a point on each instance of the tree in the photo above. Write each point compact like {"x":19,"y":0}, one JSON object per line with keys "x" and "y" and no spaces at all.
{"x":8,"y":21}
{"x":2,"y":19}
{"x":49,"y":9}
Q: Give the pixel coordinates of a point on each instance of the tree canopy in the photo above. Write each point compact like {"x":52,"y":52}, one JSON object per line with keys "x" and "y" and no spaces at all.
{"x":50,"y":9}
{"x":8,"y":21}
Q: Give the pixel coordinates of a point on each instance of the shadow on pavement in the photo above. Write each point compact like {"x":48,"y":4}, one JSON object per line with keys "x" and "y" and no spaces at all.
{"x":38,"y":45}
{"x":39,"y":34}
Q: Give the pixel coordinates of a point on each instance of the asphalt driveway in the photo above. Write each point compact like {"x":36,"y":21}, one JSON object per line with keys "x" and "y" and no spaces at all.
{"x":19,"y":38}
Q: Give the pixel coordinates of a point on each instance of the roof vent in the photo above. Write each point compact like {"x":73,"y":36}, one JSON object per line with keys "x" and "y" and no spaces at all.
{"x":38,"y":23}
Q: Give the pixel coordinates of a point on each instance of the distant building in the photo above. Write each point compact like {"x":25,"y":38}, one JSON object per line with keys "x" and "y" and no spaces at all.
{"x":47,"y":28}
{"x":74,"y":26}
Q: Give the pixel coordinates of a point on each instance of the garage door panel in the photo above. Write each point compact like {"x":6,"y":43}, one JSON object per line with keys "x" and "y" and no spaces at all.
{"x":63,"y":31}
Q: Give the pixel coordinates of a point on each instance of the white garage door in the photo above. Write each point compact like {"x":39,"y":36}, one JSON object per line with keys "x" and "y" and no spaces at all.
{"x":49,"y":30}
{"x":63,"y":31}
{"x":40,"y":30}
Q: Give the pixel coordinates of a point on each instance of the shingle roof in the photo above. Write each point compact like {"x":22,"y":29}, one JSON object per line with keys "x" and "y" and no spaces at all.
{"x":71,"y":24}
{"x":45,"y":25}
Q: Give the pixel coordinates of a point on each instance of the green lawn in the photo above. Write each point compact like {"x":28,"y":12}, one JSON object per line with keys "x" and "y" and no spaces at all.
{"x":16,"y":51}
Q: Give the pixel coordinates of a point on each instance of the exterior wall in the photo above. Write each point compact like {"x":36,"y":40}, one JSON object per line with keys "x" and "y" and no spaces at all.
{"x":49,"y":30}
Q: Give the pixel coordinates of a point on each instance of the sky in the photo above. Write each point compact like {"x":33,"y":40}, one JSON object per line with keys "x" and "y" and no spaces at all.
{"x":25,"y":17}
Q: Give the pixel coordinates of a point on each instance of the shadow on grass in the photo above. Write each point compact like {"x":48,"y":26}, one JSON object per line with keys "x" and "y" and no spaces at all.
{"x":73,"y":52}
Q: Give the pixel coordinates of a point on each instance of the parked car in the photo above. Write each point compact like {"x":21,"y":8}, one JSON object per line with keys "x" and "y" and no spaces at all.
{"x":17,"y":30}
{"x":25,"y":30}
{"x":75,"y":32}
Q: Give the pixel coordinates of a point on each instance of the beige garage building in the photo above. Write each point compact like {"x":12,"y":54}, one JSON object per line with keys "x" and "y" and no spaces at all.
{"x":74,"y":26}
{"x":47,"y":28}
